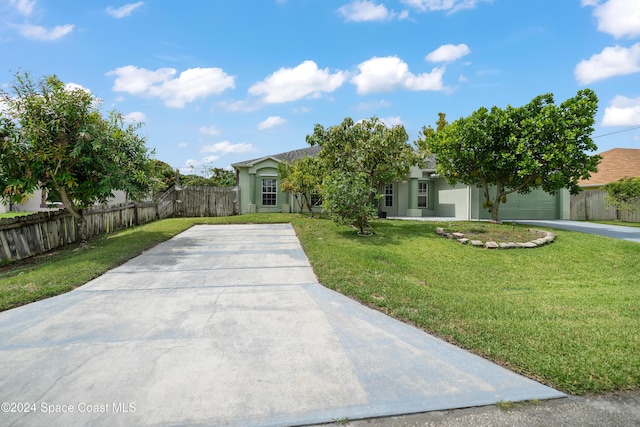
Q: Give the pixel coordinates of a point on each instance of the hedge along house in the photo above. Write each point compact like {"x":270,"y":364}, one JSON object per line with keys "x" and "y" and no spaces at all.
{"x":422,"y":194}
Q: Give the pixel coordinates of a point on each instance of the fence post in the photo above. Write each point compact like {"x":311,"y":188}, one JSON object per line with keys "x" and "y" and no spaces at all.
{"x":136,"y":221}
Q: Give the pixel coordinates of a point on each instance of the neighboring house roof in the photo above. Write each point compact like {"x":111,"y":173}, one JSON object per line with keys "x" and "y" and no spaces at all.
{"x":304,"y":152}
{"x":282,"y":157}
{"x":616,"y":163}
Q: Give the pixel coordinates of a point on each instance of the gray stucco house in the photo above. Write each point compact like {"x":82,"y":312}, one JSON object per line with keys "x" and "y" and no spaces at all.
{"x":422,"y":194}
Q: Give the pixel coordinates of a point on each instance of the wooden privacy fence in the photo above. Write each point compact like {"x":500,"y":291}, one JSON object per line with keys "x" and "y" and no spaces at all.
{"x":207,"y":201}
{"x":25,"y":236}
{"x":591,"y":205}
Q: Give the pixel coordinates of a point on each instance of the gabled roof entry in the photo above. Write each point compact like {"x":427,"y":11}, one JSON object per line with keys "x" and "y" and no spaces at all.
{"x":282,"y":157}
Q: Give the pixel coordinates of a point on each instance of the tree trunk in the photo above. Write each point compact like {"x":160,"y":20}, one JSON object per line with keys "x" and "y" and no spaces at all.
{"x":496,"y":202}
{"x":494,"y":210}
{"x":81,"y":224}
{"x":81,"y":229}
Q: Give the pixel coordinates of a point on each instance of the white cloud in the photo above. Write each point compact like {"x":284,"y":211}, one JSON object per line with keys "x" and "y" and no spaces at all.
{"x":225,"y":147}
{"x":364,"y":10}
{"x":391,"y":121}
{"x":612,"y":61}
{"x":24,"y":7}
{"x":623,"y":111}
{"x":372,"y":105}
{"x":137,"y":81}
{"x":37,"y":32}
{"x":368,"y":10}
{"x":191,"y":84}
{"x":271,"y":122}
{"x":291,"y":84}
{"x":390,"y":73}
{"x":451,"y":6}
{"x":135,"y":117}
{"x":243,"y":106}
{"x":302,"y":110}
{"x":193,"y":165}
{"x":124,"y":11}
{"x":190,"y":165}
{"x":448,"y":53}
{"x":75,"y":86}
{"x":183,"y":144}
{"x":209,"y":130}
{"x":617,"y":17}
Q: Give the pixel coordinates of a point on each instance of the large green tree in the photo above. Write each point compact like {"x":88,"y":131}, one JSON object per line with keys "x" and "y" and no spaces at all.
{"x":54,"y":137}
{"x":518,"y":149}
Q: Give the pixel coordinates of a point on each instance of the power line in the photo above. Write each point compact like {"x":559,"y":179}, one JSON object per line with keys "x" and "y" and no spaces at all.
{"x":618,"y":131}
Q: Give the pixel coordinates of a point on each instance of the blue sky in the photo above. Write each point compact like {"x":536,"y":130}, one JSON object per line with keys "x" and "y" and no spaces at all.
{"x":220,"y":81}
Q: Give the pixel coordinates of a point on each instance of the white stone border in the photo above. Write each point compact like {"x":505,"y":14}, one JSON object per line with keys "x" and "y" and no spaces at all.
{"x":548,"y":238}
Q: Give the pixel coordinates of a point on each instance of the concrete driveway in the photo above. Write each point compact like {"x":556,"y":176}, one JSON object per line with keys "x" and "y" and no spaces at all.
{"x":227,"y":325}
{"x":614,"y":231}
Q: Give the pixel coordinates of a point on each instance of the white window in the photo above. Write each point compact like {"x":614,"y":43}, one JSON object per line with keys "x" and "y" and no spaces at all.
{"x":269,"y":192}
{"x":422,"y":194}
{"x":388,"y":195}
{"x":316,"y":200}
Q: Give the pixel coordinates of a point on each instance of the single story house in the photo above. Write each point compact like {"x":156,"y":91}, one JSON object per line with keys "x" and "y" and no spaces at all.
{"x":422,"y":194}
{"x":616,"y":163}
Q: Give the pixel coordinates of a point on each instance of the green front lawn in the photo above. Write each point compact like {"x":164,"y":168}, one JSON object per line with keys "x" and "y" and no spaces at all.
{"x":13,"y":214}
{"x":567,"y":314}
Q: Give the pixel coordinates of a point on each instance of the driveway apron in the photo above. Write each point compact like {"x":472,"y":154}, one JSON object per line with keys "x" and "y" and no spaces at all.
{"x":227,"y":325}
{"x":608,"y":230}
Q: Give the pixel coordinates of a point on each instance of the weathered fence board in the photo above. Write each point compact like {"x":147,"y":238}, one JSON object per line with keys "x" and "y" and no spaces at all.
{"x":25,"y":236}
{"x":591,"y":205}
{"x":208,"y":201}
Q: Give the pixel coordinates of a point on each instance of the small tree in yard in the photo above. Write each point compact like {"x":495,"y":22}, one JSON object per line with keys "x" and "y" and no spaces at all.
{"x":347,"y":198}
{"x":54,"y":138}
{"x":303,"y":179}
{"x":369,"y":149}
{"x":624,"y":194}
{"x":538,"y":145}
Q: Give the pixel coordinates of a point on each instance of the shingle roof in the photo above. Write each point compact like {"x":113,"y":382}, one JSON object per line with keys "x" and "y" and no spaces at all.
{"x":430,"y":162}
{"x":283,"y":157}
{"x":615,"y":164}
{"x":309,"y":151}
